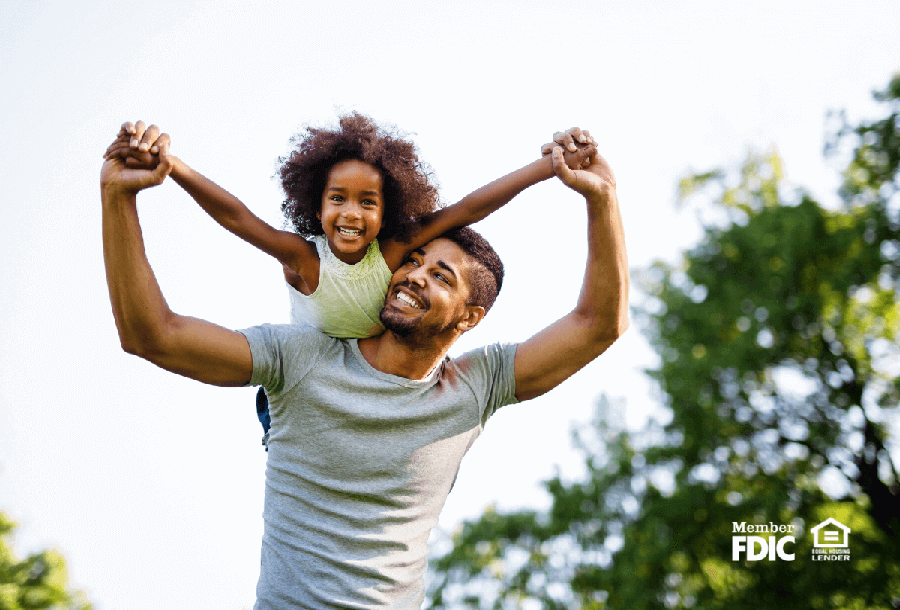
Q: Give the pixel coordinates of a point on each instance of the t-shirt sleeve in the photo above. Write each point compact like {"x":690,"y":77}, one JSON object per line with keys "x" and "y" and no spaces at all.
{"x":490,"y":372}
{"x":282,"y":354}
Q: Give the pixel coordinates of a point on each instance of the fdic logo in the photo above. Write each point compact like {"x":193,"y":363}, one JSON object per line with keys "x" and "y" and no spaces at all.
{"x":757,"y":547}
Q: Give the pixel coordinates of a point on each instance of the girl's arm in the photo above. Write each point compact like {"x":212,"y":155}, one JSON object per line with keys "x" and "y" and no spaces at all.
{"x":137,"y":145}
{"x":477,"y":205}
{"x":290,"y":249}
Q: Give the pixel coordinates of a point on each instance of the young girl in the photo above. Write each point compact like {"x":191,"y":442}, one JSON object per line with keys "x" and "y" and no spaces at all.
{"x":360,"y":202}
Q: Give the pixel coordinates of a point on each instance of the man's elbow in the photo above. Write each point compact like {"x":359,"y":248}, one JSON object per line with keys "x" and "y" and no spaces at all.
{"x":129,"y":346}
{"x":140,"y":347}
{"x":607,"y":330}
{"x":613,"y":333}
{"x":147,"y":343}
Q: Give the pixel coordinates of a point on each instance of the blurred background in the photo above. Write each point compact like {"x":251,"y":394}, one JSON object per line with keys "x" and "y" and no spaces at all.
{"x":757,"y":176}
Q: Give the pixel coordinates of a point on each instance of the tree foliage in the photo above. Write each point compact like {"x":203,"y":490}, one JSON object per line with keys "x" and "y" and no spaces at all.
{"x":779,"y":370}
{"x":35,"y":583}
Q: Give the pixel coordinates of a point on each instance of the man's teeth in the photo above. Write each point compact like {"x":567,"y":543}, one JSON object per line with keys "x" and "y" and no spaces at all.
{"x":407,"y":299}
{"x":349,"y":232}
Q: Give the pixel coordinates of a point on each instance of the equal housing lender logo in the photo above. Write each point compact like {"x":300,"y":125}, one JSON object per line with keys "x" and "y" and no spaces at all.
{"x":830,"y":541}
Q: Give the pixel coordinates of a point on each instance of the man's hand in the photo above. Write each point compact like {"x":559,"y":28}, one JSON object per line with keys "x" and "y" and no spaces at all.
{"x":131,"y":164}
{"x":596,"y":180}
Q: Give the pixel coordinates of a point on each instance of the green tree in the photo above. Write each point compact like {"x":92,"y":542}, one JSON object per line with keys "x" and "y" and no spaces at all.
{"x":779,"y":345}
{"x":35,"y":583}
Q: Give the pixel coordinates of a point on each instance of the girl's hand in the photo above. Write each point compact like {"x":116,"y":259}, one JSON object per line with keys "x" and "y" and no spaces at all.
{"x":137,"y":145}
{"x":569,"y":140}
{"x":596,"y":182}
{"x":577,"y":144}
{"x":117,"y":174}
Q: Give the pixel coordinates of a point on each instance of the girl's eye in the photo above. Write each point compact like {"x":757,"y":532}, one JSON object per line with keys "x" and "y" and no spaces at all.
{"x":337,"y":198}
{"x":369,"y":203}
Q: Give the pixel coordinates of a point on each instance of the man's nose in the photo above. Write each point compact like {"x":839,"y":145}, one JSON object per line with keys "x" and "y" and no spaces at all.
{"x":417,"y":276}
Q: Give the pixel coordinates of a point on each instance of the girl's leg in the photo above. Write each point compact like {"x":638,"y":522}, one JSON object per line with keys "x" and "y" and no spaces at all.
{"x":262,"y":412}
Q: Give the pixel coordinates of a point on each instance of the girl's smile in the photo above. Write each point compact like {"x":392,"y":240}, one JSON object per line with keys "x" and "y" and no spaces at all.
{"x":352,"y":209}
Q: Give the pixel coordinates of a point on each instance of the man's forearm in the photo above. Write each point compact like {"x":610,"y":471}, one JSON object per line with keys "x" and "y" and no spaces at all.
{"x":138,"y":305}
{"x":604,"y":293}
{"x":147,"y":327}
{"x":600,"y":315}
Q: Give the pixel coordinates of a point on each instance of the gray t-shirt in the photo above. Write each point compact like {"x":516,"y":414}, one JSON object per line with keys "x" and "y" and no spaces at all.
{"x":359,"y":465}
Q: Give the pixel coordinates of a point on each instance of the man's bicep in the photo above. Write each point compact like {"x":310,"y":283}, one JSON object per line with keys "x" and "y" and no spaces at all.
{"x":205,"y":351}
{"x":555,"y":354}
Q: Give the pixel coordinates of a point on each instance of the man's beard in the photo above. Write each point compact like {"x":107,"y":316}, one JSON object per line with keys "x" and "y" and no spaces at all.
{"x":410,"y":328}
{"x":396,"y":323}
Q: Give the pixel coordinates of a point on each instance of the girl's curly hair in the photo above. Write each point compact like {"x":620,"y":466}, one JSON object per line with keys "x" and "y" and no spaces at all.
{"x":409,"y":185}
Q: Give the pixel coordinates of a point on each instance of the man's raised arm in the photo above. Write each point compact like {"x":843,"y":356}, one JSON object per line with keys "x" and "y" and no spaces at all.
{"x":147,"y":327}
{"x":601,"y":314}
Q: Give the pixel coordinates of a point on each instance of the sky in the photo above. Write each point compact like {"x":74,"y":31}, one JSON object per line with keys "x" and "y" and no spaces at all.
{"x":151,"y":485}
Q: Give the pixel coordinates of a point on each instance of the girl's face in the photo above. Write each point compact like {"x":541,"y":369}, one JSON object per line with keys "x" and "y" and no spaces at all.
{"x":352,"y":209}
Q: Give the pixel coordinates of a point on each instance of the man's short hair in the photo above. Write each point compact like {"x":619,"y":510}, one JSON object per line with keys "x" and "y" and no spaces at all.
{"x":486,"y":275}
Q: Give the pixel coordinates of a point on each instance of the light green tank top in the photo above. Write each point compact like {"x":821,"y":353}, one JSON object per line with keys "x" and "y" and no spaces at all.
{"x":348,"y":301}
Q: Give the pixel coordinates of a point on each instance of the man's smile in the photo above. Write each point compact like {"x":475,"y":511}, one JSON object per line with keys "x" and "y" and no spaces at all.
{"x":406,"y":295}
{"x":402,"y":296}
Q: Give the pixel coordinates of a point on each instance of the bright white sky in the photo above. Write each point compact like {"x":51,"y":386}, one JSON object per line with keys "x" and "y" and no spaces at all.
{"x":151,"y":484}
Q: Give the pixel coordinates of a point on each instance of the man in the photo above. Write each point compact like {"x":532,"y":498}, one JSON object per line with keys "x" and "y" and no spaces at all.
{"x":367,"y":435}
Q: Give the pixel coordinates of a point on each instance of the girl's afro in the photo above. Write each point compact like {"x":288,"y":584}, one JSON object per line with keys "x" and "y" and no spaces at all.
{"x":409,"y":191}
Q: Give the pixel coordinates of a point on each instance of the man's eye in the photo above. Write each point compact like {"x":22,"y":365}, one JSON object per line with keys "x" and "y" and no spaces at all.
{"x":442,"y":277}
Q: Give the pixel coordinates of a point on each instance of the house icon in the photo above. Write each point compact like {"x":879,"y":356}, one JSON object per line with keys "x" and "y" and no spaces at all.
{"x":830,"y":534}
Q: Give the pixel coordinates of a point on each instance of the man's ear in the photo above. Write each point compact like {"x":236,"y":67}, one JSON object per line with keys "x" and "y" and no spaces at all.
{"x":474,"y":314}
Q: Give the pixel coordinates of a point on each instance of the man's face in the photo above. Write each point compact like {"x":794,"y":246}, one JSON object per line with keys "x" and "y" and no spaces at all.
{"x":427,"y":295}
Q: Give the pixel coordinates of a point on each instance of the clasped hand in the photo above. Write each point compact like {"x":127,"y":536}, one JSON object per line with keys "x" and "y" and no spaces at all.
{"x":578,"y":165}
{"x":137,"y":159}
